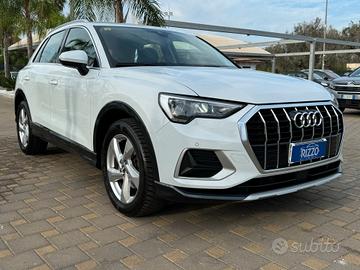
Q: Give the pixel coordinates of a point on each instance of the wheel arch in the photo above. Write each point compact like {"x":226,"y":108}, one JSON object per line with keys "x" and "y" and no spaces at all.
{"x":110,"y":113}
{"x":19,"y":97}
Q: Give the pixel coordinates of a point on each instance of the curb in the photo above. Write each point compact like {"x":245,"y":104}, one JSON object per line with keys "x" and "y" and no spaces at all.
{"x":8,"y":94}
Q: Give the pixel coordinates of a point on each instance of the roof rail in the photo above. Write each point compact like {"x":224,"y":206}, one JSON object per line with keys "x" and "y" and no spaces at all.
{"x":68,"y":23}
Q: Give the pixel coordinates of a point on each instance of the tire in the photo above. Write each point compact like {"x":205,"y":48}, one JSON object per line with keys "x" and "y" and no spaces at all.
{"x":28,"y":142}
{"x":133,"y":194}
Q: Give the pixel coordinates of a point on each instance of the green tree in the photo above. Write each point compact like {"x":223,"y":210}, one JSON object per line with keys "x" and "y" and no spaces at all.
{"x":146,"y":10}
{"x":314,"y":29}
{"x":9,"y":17}
{"x":39,"y":16}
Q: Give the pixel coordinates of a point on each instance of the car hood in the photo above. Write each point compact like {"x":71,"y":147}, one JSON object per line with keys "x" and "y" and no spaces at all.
{"x":240,"y":84}
{"x":346,"y":80}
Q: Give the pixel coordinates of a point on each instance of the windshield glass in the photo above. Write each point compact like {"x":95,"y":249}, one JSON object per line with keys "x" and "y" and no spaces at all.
{"x":356,"y":73}
{"x":130,"y":46}
{"x":332,"y":74}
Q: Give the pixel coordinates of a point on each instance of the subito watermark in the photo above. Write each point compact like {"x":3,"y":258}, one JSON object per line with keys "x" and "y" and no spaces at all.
{"x":280,"y":246}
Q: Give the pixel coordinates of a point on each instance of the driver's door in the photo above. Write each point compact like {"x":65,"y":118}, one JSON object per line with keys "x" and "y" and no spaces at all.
{"x":72,"y":98}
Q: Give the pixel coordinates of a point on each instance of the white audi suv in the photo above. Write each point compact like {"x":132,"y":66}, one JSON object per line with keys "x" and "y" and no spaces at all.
{"x":166,"y":116}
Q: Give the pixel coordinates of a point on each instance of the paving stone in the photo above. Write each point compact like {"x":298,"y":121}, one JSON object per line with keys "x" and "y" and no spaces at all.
{"x":87,"y":265}
{"x":201,"y":261}
{"x":112,"y":266}
{"x":197,"y":244}
{"x":26,"y":243}
{"x":39,"y":214}
{"x":157,"y":264}
{"x":355,"y":226}
{"x":315,"y":264}
{"x":71,"y":224}
{"x":245,"y":259}
{"x":22,"y":261}
{"x":108,"y":235}
{"x":44,"y":203}
{"x":181,"y":228}
{"x":146,"y":231}
{"x":343,"y":215}
{"x":66,"y":257}
{"x":34,"y":227}
{"x":150,"y":248}
{"x":132,"y":261}
{"x":69,"y":239}
{"x":4,"y":253}
{"x":76,"y":211}
{"x":109,"y":253}
{"x":107,"y":221}
{"x":10,"y":207}
{"x":331,"y":230}
{"x":8,"y":216}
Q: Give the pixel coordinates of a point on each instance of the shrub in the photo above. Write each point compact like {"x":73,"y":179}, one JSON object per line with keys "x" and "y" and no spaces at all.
{"x":8,"y":84}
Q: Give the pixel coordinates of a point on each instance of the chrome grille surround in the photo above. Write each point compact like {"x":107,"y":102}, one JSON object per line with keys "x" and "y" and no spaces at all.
{"x":276,"y":139}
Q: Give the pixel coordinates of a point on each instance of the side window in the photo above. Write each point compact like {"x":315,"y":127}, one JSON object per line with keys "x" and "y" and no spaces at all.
{"x":79,"y":39}
{"x":50,"y":53}
{"x":38,"y":55}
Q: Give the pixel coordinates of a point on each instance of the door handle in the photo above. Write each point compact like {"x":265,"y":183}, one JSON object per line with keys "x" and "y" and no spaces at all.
{"x":27,"y":78}
{"x":53,"y":82}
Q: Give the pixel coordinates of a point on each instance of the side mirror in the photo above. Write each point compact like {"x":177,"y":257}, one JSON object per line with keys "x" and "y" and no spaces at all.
{"x":76,"y":59}
{"x":326,"y":78}
{"x":347,"y":73}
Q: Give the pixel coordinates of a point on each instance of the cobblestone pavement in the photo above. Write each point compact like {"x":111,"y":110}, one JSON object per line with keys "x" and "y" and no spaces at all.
{"x":54,"y":214}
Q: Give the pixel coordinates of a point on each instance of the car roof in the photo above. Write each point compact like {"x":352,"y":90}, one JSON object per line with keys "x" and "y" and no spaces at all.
{"x":92,"y":24}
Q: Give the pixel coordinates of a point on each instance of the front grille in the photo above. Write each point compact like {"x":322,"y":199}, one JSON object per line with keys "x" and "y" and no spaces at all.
{"x":270,"y":132}
{"x":342,"y":88}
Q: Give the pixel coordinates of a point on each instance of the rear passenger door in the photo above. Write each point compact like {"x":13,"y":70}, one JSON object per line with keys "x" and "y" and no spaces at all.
{"x":72,"y":98}
{"x":39,"y":79}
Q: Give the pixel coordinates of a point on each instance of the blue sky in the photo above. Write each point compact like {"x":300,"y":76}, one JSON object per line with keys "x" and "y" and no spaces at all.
{"x":270,"y":15}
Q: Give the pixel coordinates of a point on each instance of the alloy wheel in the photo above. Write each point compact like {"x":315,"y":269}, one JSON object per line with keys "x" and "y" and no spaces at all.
{"x":123,"y":168}
{"x":23,"y":124}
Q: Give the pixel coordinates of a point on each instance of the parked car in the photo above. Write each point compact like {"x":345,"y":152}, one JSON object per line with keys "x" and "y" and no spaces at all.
{"x":347,"y":90}
{"x":305,"y":75}
{"x":326,"y":75}
{"x":168,"y":117}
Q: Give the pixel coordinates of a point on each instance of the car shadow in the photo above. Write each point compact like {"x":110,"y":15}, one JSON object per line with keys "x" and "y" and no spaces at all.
{"x":296,"y":202}
{"x":53,"y":150}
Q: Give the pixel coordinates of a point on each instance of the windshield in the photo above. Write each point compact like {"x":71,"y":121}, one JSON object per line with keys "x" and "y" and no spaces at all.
{"x":356,"y":73}
{"x":130,"y":46}
{"x":332,"y":74}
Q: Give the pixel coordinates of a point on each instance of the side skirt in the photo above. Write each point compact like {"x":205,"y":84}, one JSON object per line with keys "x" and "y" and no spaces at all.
{"x":63,"y":142}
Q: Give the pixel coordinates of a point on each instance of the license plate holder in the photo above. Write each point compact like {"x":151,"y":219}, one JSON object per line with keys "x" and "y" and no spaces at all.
{"x":305,"y":151}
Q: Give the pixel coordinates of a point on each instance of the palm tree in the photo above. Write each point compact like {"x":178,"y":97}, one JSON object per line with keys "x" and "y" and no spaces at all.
{"x":148,"y":11}
{"x":9,"y":16}
{"x":40,"y":15}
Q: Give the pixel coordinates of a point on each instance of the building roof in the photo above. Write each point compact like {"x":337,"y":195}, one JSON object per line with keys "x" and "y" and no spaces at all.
{"x":22,"y":43}
{"x":220,"y":41}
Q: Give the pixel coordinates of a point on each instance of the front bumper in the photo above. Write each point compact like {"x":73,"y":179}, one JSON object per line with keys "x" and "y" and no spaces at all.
{"x":227,"y":137}
{"x":256,"y":189}
{"x":348,"y":100}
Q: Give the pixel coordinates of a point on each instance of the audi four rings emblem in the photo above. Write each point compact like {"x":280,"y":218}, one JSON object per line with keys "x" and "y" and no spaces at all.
{"x":305,"y":119}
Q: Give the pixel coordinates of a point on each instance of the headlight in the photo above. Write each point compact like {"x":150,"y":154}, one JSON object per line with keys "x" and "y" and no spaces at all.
{"x":183,"y":109}
{"x":331,"y":85}
{"x":334,"y":100}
